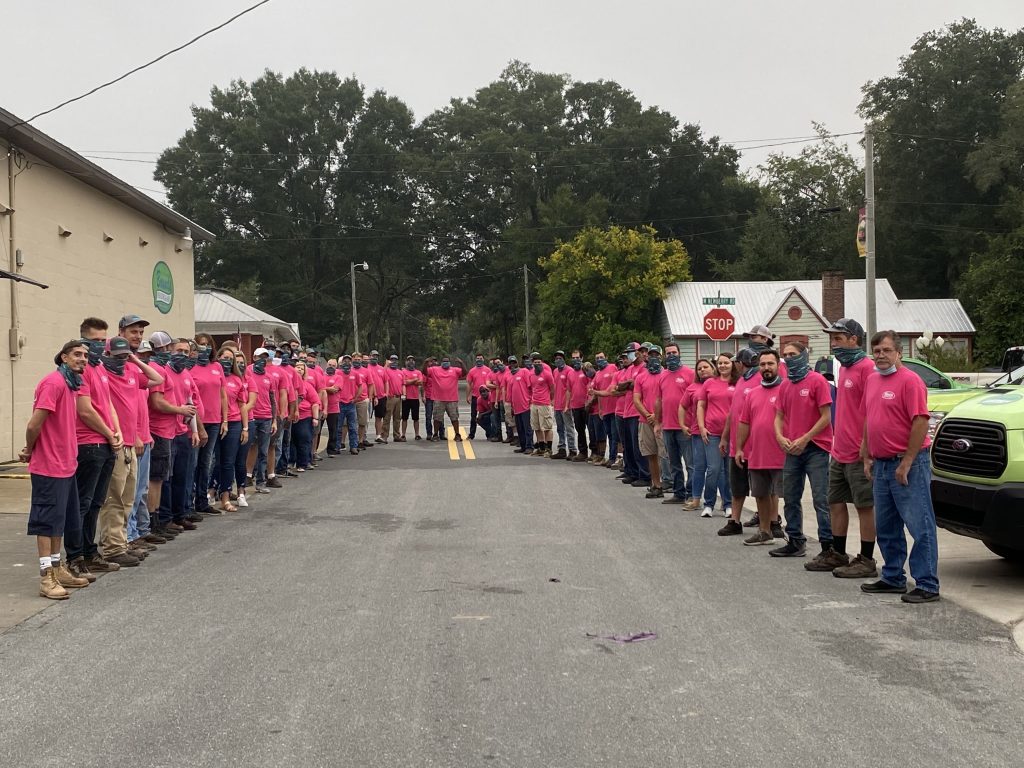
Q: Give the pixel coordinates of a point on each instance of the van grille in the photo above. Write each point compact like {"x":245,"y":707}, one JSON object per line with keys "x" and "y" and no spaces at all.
{"x":969,"y":447}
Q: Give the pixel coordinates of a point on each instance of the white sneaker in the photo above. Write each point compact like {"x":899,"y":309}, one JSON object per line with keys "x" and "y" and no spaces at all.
{"x":728,"y":512}
{"x":708,"y":511}
{"x":241,"y":500}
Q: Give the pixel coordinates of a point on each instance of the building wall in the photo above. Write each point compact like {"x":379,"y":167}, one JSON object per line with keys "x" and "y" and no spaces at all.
{"x":808,"y":325}
{"x":87,"y":277}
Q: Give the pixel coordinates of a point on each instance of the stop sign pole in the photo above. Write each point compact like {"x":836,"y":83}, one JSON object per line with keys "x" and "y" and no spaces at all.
{"x":719,"y":324}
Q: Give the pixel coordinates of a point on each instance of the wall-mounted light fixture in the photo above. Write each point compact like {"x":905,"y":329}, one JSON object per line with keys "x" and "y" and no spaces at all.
{"x":107,"y":237}
{"x":186,"y":243}
{"x":63,"y":231}
{"x":143,"y":242}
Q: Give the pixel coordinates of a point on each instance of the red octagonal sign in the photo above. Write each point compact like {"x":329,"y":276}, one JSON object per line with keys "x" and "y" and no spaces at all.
{"x":719,"y":324}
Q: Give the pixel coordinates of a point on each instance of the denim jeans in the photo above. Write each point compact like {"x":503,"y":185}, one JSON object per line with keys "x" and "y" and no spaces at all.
{"x":633,"y":464}
{"x":259,"y":435}
{"x":302,"y":438}
{"x":676,"y":444}
{"x":812,"y":464}
{"x":497,"y":419}
{"x":611,"y":431}
{"x":172,"y":499}
{"x":595,"y":429}
{"x":700,"y":467}
{"x":716,"y":473}
{"x":95,"y":465}
{"x":229,"y":446}
{"x":204,"y":465}
{"x":560,"y":429}
{"x":347,"y":416}
{"x":524,"y":430}
{"x":284,"y":446}
{"x":428,"y":409}
{"x":138,"y":520}
{"x":910,"y":505}
{"x":569,"y":428}
{"x":241,"y":479}
{"x":472,"y":417}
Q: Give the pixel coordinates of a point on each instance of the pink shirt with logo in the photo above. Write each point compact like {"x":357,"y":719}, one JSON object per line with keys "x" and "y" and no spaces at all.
{"x":348,"y":385}
{"x":520,"y":389}
{"x":743,"y":388}
{"x":689,"y":402}
{"x":445,"y":383}
{"x":191,"y":396}
{"x":891,"y":404}
{"x":375,"y":374}
{"x":541,"y":387}
{"x":605,"y":380}
{"x":237,"y":394}
{"x":279,"y":388}
{"x":55,"y":453}
{"x":673,"y":385}
{"x":716,"y":394}
{"x":364,"y":385}
{"x":633,"y":372}
{"x":801,"y":404}
{"x":579,"y":385}
{"x":562,"y":381}
{"x":395,"y":381}
{"x":310,"y":397}
{"x":648,"y":387}
{"x":96,"y":386}
{"x":209,"y":380}
{"x":762,"y":450}
{"x":476,"y":377}
{"x":142,"y":425}
{"x":262,"y":385}
{"x":165,"y":425}
{"x":124,"y":393}
{"x":411,"y":380}
{"x":848,"y":430}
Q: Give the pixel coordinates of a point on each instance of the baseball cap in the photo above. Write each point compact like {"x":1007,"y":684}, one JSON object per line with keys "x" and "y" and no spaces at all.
{"x":260,"y":351}
{"x":145,"y":347}
{"x":127,"y":320}
{"x":560,"y":353}
{"x":847,"y":326}
{"x":68,"y":345}
{"x":346,"y":357}
{"x":374,"y":352}
{"x":116,"y":345}
{"x":748,"y":357}
{"x":310,"y":351}
{"x":654,"y":348}
{"x":161,"y":339}
{"x":513,"y":359}
{"x":535,"y":355}
{"x":633,"y":346}
{"x":759,"y":330}
{"x":647,"y":345}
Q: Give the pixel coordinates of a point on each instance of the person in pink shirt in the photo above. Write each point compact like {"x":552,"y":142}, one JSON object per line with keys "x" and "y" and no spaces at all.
{"x":564,"y":426}
{"x":237,"y":433}
{"x":444,"y":380}
{"x":677,"y":443}
{"x":542,"y":415}
{"x":316,"y":374}
{"x":263,"y":393}
{"x":375,"y":371}
{"x":895,"y":452}
{"x":51,"y":450}
{"x":364,"y":399}
{"x":757,"y":450}
{"x":712,"y":412}
{"x":309,"y":418}
{"x":333,"y":407}
{"x":349,"y":384}
{"x":520,"y":382}
{"x":476,"y":377}
{"x":634,"y":471}
{"x":647,"y":401}
{"x":394,"y":390}
{"x":412,"y":381}
{"x":703,"y":370}
{"x":578,"y":385}
{"x":209,"y":380}
{"x":608,"y":398}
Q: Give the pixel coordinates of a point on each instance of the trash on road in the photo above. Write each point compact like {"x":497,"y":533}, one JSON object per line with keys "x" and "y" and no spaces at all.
{"x":635,"y":637}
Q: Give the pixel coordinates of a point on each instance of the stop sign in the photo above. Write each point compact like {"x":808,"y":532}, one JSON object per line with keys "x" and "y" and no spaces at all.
{"x":719,"y":324}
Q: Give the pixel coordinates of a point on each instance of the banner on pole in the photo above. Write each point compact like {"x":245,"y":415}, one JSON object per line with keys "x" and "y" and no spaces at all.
{"x":862,"y":233}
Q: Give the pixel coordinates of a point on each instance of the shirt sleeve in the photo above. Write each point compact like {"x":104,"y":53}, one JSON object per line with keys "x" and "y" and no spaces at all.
{"x":46,"y":399}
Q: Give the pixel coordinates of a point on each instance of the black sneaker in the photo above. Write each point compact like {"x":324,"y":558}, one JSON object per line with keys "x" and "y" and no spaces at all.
{"x":752,"y":522}
{"x":919,"y":595}
{"x":655,"y":493}
{"x":458,"y":438}
{"x":627,"y":480}
{"x":777,"y":532}
{"x":674,"y":500}
{"x":638,"y":483}
{"x":789,"y":550}
{"x":882,"y":588}
{"x":731,"y":528}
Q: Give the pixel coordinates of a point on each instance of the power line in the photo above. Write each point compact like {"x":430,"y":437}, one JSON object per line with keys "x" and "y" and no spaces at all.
{"x":143,"y":66}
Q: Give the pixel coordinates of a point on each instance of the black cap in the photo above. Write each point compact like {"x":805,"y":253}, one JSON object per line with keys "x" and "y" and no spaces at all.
{"x":512,"y":359}
{"x":118,"y":346}
{"x":631,"y":347}
{"x":69,"y":345}
{"x":847,"y":326}
{"x":748,"y":357}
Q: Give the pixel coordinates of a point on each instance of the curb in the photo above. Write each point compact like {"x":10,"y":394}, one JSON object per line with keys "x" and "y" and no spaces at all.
{"x":1017,"y":633}
{"x":14,"y":477}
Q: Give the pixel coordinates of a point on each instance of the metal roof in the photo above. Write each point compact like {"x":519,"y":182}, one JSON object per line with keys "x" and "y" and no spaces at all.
{"x":33,"y":141}
{"x":757,"y":303}
{"x":220,"y":313}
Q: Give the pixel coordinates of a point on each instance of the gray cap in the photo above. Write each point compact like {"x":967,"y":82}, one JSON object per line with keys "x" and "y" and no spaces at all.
{"x":161,"y":339}
{"x":127,"y":320}
{"x":145,"y":347}
{"x":759,"y":330}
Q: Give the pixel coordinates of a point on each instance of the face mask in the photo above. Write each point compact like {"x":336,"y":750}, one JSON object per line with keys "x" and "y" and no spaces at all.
{"x":600,"y":364}
{"x":96,"y":351}
{"x":513,"y":367}
{"x":479,"y":363}
{"x":538,"y":367}
{"x":72,"y":379}
{"x":887,"y":372}
{"x":758,"y":346}
{"x":577,"y":364}
{"x":500,"y":367}
{"x":114,"y":364}
{"x":260,"y":366}
{"x":393,"y":365}
{"x":559,"y":363}
{"x":591,"y":373}
{"x":373,"y":361}
{"x":446,"y":365}
{"x":631,"y":356}
{"x":750,"y":373}
{"x":190,"y":363}
{"x":773,"y":383}
{"x":228,"y":366}
{"x":620,"y":364}
{"x":848,"y":357}
{"x":162,"y":358}
{"x":271,"y":354}
{"x":654,"y":366}
{"x":410,"y":366}
{"x":346,"y":367}
{"x":330,"y":370}
{"x":797,"y":367}
{"x":178,"y":361}
{"x":204,"y":356}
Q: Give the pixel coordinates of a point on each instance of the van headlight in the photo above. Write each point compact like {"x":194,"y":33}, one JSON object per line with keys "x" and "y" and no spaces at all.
{"x":934,"y":419}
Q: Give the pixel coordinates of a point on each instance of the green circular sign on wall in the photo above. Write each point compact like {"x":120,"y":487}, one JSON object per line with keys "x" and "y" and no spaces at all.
{"x":163,"y":287}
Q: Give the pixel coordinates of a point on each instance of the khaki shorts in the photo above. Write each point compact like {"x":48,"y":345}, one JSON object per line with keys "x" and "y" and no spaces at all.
{"x":362,"y":413}
{"x":542,"y":417}
{"x":445,"y":406}
{"x":650,"y":445}
{"x":848,"y":485}
{"x":764,"y":482}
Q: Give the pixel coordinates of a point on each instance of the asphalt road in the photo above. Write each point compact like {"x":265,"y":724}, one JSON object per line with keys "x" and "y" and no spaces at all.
{"x":404,"y":609}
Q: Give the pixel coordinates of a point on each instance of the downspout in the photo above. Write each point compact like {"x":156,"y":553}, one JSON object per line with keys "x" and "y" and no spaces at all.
{"x":14,"y":332}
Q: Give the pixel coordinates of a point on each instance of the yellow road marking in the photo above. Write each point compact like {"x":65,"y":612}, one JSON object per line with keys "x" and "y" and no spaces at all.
{"x":453,"y":447}
{"x":467,"y":446}
{"x":453,"y":450}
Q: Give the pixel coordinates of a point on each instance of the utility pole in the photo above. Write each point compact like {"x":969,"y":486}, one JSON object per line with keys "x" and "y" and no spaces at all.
{"x":869,"y":234}
{"x":355,"y":319}
{"x":526,"y":297}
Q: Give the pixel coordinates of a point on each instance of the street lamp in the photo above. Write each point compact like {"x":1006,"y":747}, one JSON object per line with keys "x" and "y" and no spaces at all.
{"x":355,"y":318}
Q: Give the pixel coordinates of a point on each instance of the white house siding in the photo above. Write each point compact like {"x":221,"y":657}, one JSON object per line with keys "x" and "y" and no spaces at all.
{"x":808,"y":325}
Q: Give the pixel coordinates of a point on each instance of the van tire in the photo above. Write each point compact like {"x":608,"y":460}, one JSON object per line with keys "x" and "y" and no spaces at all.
{"x":1013,"y":555}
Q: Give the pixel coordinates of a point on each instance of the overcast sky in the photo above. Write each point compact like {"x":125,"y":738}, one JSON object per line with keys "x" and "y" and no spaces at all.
{"x":742,"y":70}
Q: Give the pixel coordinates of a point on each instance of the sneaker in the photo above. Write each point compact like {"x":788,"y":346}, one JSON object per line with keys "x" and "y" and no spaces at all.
{"x":261,"y":489}
{"x":628,"y":480}
{"x":381,"y":440}
{"x":185,"y":525}
{"x":79,"y":570}
{"x":194,"y":517}
{"x":708,"y":512}
{"x":290,"y":473}
{"x":790,"y":550}
{"x":98,"y":564}
{"x":731,"y":528}
{"x":579,"y":458}
{"x":559,"y":454}
{"x":638,"y":483}
{"x":124,"y":560}
{"x":759,"y":538}
{"x":50,"y":588}
{"x":273,"y":482}
{"x":882,"y":588}
{"x":859,"y":568}
{"x":241,"y":500}
{"x":655,"y":493}
{"x":728,"y":512}
{"x":418,"y":437}
{"x":753,"y":522}
{"x":617,"y":464}
{"x":537,"y":452}
{"x":777,"y":531}
{"x":827,"y":561}
{"x":692,"y":504}
{"x":919,"y":595}
{"x":138,"y":554}
{"x":67,"y":579}
{"x":674,"y":500}
{"x":214,"y":510}
{"x":355,"y":451}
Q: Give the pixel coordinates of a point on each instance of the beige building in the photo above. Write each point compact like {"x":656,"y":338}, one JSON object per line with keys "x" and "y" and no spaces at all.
{"x":102,"y":247}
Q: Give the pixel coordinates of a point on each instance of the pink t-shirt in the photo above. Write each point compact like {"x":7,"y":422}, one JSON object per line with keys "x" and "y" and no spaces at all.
{"x":124,"y":393}
{"x":279,"y":388}
{"x":96,"y":386}
{"x":520,"y":389}
{"x":605,"y":380}
{"x":541,"y":387}
{"x":579,"y":385}
{"x":142,"y":428}
{"x":55,"y":453}
{"x":502,"y":379}
{"x":673,"y":385}
{"x":396,"y":381}
{"x":716,"y":395}
{"x":411,"y":380}
{"x":161,"y":424}
{"x":762,"y":449}
{"x":476,"y":377}
{"x":262,"y":385}
{"x":801,"y":404}
{"x":743,"y":388}
{"x":891,"y":404}
{"x":310,"y":397}
{"x":848,"y":430}
{"x":333,"y":398}
{"x":375,"y":375}
{"x":446,"y":383}
{"x":648,"y":387}
{"x":364,"y":385}
{"x":563,"y":383}
{"x":316,"y":374}
{"x":209,"y":380}
{"x":188,"y":384}
{"x":348,"y":385}
{"x":631,"y":372}
{"x":237,"y":394}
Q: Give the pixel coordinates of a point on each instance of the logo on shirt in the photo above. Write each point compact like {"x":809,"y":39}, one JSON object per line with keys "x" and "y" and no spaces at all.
{"x":848,"y":383}
{"x":888,"y":395}
{"x":773,"y":398}
{"x":805,"y":392}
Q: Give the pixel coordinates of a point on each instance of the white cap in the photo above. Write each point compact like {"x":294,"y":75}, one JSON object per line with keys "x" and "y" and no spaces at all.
{"x":261,"y":351}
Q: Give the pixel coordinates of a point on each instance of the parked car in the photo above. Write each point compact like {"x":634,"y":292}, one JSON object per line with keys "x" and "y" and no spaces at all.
{"x":940,"y":402}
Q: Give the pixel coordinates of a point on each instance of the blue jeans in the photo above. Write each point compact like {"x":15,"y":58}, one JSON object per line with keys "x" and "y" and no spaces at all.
{"x":347,"y":416}
{"x":259,"y":435}
{"x":700,"y":467}
{"x":595,"y":426}
{"x":138,"y":519}
{"x":284,"y":447}
{"x":560,"y":429}
{"x":241,"y":457}
{"x":428,"y":410}
{"x":190,"y":481}
{"x":812,"y":464}
{"x":633,"y":464}
{"x":302,"y":439}
{"x":524,"y":430}
{"x":909,"y":505}
{"x":676,"y":445}
{"x":716,"y":473}
{"x":204,"y":465}
{"x":611,"y":430}
{"x":229,"y":446}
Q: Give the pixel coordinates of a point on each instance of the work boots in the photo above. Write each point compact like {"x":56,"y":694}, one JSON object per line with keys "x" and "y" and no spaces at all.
{"x":559,"y":454}
{"x":49,"y":587}
{"x":67,"y":579}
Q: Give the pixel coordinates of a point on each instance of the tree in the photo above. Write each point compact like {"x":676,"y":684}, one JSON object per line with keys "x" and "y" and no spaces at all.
{"x":606,"y":276}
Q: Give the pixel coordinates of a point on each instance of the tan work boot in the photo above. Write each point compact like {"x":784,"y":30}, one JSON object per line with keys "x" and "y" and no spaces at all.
{"x":49,"y":588}
{"x":67,"y":579}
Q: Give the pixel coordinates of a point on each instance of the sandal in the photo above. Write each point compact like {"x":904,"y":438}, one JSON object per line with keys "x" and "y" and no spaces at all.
{"x":227,"y":506}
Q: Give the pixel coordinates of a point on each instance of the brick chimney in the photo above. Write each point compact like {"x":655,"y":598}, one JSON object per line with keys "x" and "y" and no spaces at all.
{"x":833,"y":295}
